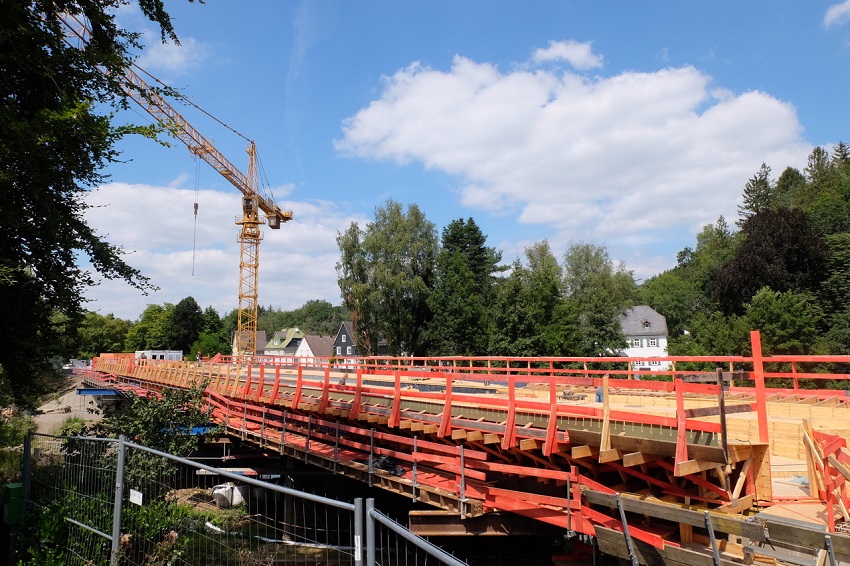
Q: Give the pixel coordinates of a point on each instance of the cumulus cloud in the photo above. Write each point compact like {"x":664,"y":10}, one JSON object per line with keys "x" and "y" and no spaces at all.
{"x":579,"y":55}
{"x":624,"y":159}
{"x":837,"y":14}
{"x":156,"y":227}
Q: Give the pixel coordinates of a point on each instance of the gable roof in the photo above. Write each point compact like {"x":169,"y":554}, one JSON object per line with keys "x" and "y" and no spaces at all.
{"x":285,"y":335}
{"x":321,"y":346}
{"x":643,"y":321}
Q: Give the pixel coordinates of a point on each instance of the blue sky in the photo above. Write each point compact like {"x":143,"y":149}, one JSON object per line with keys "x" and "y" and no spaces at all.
{"x":626,"y":124}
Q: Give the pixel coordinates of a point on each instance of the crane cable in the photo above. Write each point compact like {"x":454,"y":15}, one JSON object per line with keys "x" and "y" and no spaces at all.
{"x":195,"y":228}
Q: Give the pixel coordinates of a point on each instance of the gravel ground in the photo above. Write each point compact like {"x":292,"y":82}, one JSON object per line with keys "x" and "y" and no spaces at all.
{"x":64,"y":405}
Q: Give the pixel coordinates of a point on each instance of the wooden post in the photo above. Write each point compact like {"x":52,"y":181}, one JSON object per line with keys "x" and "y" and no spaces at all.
{"x":605,"y":441}
{"x":758,"y":374}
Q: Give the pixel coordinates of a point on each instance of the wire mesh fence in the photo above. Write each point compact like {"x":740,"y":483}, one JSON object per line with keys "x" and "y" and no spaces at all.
{"x":174,"y":511}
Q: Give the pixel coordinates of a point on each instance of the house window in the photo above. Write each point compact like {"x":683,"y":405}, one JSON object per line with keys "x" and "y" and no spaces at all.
{"x":646,"y":324}
{"x":348,"y":350}
{"x":654,"y":363}
{"x":653,"y":342}
{"x":339,"y":350}
{"x":343,"y":338}
{"x":636,"y":342}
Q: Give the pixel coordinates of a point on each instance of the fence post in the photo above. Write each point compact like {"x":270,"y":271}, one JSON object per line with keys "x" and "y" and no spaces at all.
{"x":119,"y":497}
{"x":358,"y":531}
{"x":370,"y":532}
{"x":26,"y":468}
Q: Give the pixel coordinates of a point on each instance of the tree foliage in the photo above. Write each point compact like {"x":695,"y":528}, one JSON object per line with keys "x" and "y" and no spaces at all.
{"x":780,"y":249}
{"x":54,"y":144}
{"x":601,"y":292}
{"x":462,"y":292}
{"x":385,"y":276}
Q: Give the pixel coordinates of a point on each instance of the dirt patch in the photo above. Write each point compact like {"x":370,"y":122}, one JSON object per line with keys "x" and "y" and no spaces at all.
{"x":65,"y":404}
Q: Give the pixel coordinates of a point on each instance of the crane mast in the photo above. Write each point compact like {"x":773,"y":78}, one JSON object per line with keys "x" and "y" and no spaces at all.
{"x":253,"y":203}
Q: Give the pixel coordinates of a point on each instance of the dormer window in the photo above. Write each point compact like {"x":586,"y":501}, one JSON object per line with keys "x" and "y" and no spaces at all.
{"x":646,"y":324}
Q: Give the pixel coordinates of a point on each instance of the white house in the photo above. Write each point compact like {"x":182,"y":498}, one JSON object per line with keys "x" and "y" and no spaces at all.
{"x":312,"y":347}
{"x":646,"y":335}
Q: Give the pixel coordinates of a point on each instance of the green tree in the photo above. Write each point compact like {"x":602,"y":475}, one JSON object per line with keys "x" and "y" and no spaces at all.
{"x":55,"y":139}
{"x":529,"y":316}
{"x":674,"y":297}
{"x":601,"y":293}
{"x":758,"y":194}
{"x":781,"y":250}
{"x":184,"y":326}
{"x":790,"y":188}
{"x":462,"y":291}
{"x":149,"y":332}
{"x":99,"y":334}
{"x":458,"y":325}
{"x":385,"y":274}
{"x":788,"y":321}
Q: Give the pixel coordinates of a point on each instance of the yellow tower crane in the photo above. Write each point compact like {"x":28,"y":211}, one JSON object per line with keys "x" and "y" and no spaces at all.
{"x":253,"y":203}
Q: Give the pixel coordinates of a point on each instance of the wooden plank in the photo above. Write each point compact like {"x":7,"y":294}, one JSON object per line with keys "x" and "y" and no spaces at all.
{"x":737,"y":506}
{"x":459,"y":434}
{"x":678,"y":513}
{"x":693,"y":467}
{"x":714,"y":411}
{"x":474,"y":436}
{"x":638,"y":458}
{"x":530,"y":444}
{"x":612,"y":543}
{"x":492,"y":438}
{"x":611,"y":455}
{"x":584,"y":451}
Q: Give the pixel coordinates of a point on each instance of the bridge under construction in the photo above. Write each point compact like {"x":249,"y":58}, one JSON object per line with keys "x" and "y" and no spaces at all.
{"x":709,"y":462}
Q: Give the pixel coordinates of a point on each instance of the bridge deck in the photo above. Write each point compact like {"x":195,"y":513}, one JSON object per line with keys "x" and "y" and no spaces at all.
{"x":534,"y":441}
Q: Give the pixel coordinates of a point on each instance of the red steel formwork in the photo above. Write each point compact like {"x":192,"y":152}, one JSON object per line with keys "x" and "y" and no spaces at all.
{"x":527,"y":436}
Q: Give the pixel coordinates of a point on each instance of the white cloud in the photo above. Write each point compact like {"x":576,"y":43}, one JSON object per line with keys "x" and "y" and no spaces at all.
{"x":156,"y":226}
{"x":623,"y":159}
{"x":579,"y":55}
{"x":837,"y":14}
{"x":171,"y":58}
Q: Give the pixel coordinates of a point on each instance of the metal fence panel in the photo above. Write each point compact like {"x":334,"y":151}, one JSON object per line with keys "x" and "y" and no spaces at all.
{"x":173,"y":511}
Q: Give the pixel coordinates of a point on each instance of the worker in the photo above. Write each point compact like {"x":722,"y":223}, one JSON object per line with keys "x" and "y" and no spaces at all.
{"x":198,"y":357}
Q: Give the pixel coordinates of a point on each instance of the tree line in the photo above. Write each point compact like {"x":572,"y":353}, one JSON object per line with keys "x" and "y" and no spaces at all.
{"x":785,"y":272}
{"x":412,"y":293}
{"x":187,"y":328}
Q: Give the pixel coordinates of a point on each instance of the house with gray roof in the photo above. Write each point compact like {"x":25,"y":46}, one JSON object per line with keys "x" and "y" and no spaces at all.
{"x":313,"y":346}
{"x":646,"y":337}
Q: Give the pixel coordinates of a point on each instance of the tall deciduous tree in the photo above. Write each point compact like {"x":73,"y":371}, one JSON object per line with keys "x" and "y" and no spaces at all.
{"x":99,"y":334}
{"x":524,"y":311}
{"x":185,"y":324}
{"x":601,"y":293}
{"x":385,"y":274}
{"x":780,"y":250}
{"x":53,"y":147}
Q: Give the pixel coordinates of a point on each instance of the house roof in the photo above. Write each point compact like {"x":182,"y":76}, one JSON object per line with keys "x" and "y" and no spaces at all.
{"x":321,"y":346}
{"x":643,"y":321}
{"x":285,"y":335}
